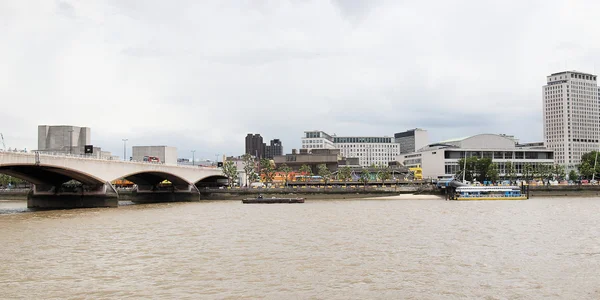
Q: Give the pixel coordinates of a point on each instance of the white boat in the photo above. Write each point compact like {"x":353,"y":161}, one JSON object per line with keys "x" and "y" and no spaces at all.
{"x":466,"y":193}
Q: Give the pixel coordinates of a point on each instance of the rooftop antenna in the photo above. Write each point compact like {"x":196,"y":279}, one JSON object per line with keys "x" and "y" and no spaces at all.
{"x":3,"y":144}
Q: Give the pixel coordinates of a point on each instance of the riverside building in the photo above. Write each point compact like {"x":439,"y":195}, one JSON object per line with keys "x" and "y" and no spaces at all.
{"x":571,"y":116}
{"x":412,"y":140}
{"x":440,"y":160}
{"x":370,"y":150}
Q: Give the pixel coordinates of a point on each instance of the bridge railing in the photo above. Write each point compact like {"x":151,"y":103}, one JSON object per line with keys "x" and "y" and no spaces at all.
{"x":88,"y":157}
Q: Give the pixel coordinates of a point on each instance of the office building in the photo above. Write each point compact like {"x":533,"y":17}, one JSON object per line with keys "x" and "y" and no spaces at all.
{"x":571,"y":115}
{"x":273,"y":149}
{"x":255,"y":145}
{"x":370,"y":150}
{"x":411,"y":140}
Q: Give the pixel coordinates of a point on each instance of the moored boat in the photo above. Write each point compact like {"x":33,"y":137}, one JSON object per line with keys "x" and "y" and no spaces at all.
{"x":470,"y":193}
{"x":261,"y":200}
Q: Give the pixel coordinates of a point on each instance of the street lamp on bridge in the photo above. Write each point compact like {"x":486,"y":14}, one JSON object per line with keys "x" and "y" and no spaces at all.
{"x":193,"y":157}
{"x":71,"y":141}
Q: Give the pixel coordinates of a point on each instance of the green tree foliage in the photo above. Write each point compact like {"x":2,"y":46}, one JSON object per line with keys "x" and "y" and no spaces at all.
{"x":527,"y":171}
{"x":230,"y":170}
{"x":253,"y":176}
{"x":286,"y":170}
{"x":249,"y":167}
{"x":5,"y":180}
{"x":306,"y":170}
{"x":476,"y":169}
{"x":586,"y":167}
{"x":384,"y":173}
{"x":573,"y":175}
{"x":267,"y":170}
{"x":324,"y":172}
{"x":364,"y":177}
{"x":344,"y":174}
{"x":559,"y":172}
{"x":492,"y":172}
{"x":511,"y":171}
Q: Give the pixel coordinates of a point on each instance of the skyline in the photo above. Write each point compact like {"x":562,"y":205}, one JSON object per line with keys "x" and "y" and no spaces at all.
{"x":193,"y":75}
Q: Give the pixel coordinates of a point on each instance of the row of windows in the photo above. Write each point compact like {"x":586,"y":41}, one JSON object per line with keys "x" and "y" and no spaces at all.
{"x":362,"y":140}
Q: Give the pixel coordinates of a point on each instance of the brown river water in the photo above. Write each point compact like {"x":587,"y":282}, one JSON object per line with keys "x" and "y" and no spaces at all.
{"x":322,"y":249}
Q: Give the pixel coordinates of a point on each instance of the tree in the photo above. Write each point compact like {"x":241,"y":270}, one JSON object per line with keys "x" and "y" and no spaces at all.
{"x":5,"y":180}
{"x":492,"y":172}
{"x":253,"y":176}
{"x":559,"y":172}
{"x":249,"y":167}
{"x":585,"y":169}
{"x":344,"y":174}
{"x":267,"y":170}
{"x":545,"y":171}
{"x":470,"y":172}
{"x":511,"y":172}
{"x":588,"y":161}
{"x":306,"y":171}
{"x":230,"y":170}
{"x":286,"y":170}
{"x":527,"y":171}
{"x":364,"y":177}
{"x":324,"y":172}
{"x":573,"y":175}
{"x":384,"y":173}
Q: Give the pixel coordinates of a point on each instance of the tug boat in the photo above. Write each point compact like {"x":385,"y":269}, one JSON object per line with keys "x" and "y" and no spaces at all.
{"x":470,"y":193}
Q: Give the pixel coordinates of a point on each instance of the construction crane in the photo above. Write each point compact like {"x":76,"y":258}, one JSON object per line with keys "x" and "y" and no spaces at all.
{"x":3,"y":144}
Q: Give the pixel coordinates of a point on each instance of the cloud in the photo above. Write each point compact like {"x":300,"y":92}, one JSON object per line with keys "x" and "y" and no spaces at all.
{"x":202,"y":74}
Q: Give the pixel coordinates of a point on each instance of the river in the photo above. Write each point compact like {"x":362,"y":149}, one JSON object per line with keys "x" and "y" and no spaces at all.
{"x":322,"y":249}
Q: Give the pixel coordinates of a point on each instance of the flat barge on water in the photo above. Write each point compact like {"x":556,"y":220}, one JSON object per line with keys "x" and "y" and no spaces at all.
{"x":261,"y":200}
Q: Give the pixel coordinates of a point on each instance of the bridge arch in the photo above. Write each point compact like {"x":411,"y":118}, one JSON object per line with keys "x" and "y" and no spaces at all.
{"x":212,"y":181}
{"x":153,"y":178}
{"x":48,"y":174}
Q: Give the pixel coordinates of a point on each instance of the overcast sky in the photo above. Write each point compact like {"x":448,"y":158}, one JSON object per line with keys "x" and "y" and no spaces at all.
{"x":202,"y":74}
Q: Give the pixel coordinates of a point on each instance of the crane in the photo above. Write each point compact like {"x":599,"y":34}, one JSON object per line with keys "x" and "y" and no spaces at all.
{"x":3,"y":144}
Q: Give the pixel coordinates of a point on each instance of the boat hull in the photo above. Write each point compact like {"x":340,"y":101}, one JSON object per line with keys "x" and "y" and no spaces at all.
{"x":490,"y":198}
{"x":273,"y":200}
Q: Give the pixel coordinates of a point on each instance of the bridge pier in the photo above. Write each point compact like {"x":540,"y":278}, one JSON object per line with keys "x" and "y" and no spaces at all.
{"x":152,"y":194}
{"x":44,"y":196}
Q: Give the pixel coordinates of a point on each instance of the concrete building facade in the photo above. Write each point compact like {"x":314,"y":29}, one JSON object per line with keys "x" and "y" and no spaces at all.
{"x":317,"y":139}
{"x":411,"y":140}
{"x":440,"y":160}
{"x":165,"y":154}
{"x":312,"y":158}
{"x":368,"y":149}
{"x":571,"y":115}
{"x":63,"y":139}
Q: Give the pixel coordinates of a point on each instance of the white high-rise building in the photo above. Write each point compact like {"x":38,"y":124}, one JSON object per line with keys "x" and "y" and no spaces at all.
{"x":370,"y":150}
{"x":571,"y":116}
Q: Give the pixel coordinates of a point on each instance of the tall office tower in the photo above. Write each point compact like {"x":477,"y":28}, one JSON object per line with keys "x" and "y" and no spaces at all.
{"x":411,"y":140}
{"x":273,"y":149}
{"x":255,"y":145}
{"x":571,"y":116}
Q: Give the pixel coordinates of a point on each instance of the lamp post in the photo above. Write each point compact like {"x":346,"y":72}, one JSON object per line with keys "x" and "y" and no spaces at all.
{"x":217,"y":160}
{"x":70,"y":141}
{"x":125,"y":149}
{"x":193,"y":157}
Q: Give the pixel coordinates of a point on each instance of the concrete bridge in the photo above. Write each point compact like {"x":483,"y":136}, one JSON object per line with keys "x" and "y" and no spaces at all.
{"x":52,"y":175}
